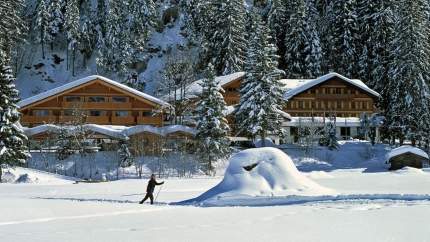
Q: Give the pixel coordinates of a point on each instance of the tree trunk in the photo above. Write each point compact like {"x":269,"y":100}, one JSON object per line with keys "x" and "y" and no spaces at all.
{"x":1,"y":174}
{"x":73,"y":61}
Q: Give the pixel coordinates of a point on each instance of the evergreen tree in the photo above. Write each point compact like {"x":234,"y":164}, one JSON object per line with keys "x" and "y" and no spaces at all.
{"x":134,"y":82}
{"x":72,"y":30}
{"x":56,"y":19}
{"x":212,"y":127}
{"x":125,"y":157}
{"x":277,"y":22}
{"x":42,"y":25}
{"x":342,"y":37}
{"x":12,"y":138}
{"x":377,"y":30}
{"x":261,"y":93}
{"x":407,"y":91}
{"x":226,"y":45}
{"x":12,"y":25}
{"x":302,"y":43}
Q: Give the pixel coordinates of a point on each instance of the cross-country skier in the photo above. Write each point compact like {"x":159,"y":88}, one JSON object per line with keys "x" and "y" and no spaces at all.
{"x":150,"y":189}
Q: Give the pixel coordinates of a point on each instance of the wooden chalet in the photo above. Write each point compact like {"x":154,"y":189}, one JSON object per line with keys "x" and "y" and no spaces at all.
{"x":93,"y":100}
{"x":329,"y":95}
{"x":407,"y":156}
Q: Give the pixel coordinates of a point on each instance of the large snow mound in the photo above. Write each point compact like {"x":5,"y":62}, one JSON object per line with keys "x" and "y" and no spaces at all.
{"x":21,"y":175}
{"x":260,"y":173}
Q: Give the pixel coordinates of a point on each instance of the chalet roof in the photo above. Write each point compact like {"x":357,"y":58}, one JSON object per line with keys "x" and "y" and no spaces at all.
{"x":407,"y":149}
{"x":85,"y":80}
{"x":117,"y":132}
{"x":297,"y":86}
{"x":195,"y":89}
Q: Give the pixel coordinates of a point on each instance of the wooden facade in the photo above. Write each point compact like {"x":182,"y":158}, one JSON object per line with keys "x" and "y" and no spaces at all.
{"x":407,"y":159}
{"x":231,"y":92}
{"x":95,"y":102}
{"x":332,"y":97}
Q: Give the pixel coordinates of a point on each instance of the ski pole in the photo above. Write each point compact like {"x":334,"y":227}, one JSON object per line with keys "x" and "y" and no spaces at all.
{"x":161,"y":187}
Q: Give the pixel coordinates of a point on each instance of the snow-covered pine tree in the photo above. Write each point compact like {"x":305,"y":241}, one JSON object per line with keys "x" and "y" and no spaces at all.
{"x":87,"y":38}
{"x":342,"y":37}
{"x":125,"y":157}
{"x":277,"y":22}
{"x":226,"y":45}
{"x":303,"y":54}
{"x":12,"y":137}
{"x":133,"y":81}
{"x":212,"y":127}
{"x":142,"y":19}
{"x":11,"y":25}
{"x":330,"y":135}
{"x":42,"y":25}
{"x":261,"y":96}
{"x":408,"y":111}
{"x":56,"y":20}
{"x":376,"y":20}
{"x":71,"y":25}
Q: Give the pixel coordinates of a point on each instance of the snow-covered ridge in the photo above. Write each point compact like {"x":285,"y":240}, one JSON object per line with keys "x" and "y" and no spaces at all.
{"x":406,"y":149}
{"x":118,"y":132}
{"x":296,"y":86}
{"x":85,"y":80}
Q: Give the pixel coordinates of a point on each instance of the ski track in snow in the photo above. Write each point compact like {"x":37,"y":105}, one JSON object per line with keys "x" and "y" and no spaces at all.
{"x":50,"y":219}
{"x":297,"y":200}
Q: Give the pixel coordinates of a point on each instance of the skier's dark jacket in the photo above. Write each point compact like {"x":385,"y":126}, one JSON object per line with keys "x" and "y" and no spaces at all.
{"x":151,"y":185}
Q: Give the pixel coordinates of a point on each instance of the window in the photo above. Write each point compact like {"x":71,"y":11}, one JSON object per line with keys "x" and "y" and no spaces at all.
{"x":301,"y":105}
{"x":353,"y":105}
{"x":313,"y":91}
{"x":68,"y":112}
{"x":345,"y":131}
{"x":41,"y":113}
{"x":146,"y":114}
{"x":121,"y":113}
{"x":73,"y":99}
{"x":96,"y":99}
{"x":97,"y":113}
{"x":119,"y":99}
{"x":338,"y":91}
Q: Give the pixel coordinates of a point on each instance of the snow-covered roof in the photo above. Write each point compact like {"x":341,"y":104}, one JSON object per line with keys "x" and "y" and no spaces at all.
{"x":407,"y":149}
{"x":85,"y":80}
{"x":194,"y":89}
{"x":340,"y":122}
{"x":297,"y":86}
{"x":118,"y":132}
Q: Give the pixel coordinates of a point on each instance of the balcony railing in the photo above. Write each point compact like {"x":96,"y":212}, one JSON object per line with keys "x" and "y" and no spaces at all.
{"x":26,"y":119}
{"x":128,"y":120}
{"x":98,"y":119}
{"x":149,"y":120}
{"x":96,"y":105}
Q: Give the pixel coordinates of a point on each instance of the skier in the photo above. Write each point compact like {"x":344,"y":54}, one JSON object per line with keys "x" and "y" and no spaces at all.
{"x":150,"y":189}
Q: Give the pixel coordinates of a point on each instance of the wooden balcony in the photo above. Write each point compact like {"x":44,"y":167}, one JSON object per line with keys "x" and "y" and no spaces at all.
{"x":128,"y":120}
{"x":26,"y":119}
{"x":149,"y":120}
{"x":95,"y":105}
{"x":97,"y":119}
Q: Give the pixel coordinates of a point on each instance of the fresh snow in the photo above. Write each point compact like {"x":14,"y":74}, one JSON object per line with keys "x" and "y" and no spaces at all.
{"x":407,"y":149}
{"x":296,"y":86}
{"x":109,"y":211}
{"x":273,"y":174}
{"x":119,"y":132}
{"x":85,"y":80}
{"x":25,"y":175}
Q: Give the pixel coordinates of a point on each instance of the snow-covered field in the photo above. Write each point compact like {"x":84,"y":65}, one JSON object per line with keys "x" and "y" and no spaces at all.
{"x":59,"y":210}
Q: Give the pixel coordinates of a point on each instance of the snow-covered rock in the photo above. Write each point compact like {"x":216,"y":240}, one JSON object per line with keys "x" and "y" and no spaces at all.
{"x":267,"y":143}
{"x":261,"y":173}
{"x":21,"y":175}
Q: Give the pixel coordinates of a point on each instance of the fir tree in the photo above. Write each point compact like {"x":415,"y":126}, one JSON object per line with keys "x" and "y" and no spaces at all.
{"x":12,"y":26}
{"x":42,"y":25}
{"x":12,"y":138}
{"x":212,"y":127}
{"x":134,"y":82}
{"x":226,"y":45}
{"x":342,"y":37}
{"x":407,"y":91}
{"x":377,"y":30}
{"x":261,"y":94}
{"x":277,"y":20}
{"x":302,"y":43}
{"x":72,"y":29}
{"x":56,"y":19}
{"x":125,"y":157}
